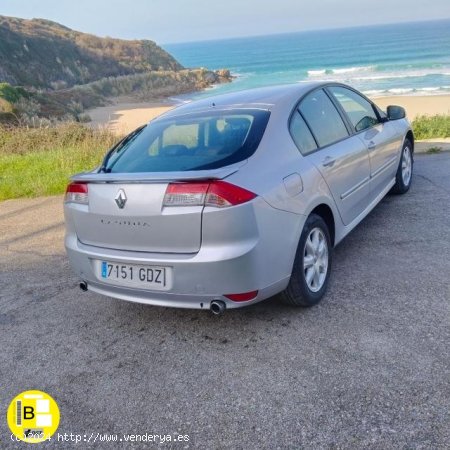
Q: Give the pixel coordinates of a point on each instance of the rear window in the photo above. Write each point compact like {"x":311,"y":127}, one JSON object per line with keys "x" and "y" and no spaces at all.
{"x":193,"y":142}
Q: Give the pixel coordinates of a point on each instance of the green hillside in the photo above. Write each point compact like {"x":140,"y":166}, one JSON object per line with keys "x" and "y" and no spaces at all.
{"x":50,"y":71}
{"x":39,"y":53}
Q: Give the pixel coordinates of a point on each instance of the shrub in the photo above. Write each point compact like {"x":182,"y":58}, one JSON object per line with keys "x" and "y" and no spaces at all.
{"x":9,"y":93}
{"x":428,"y":127}
{"x":5,"y":106}
{"x":45,"y":136}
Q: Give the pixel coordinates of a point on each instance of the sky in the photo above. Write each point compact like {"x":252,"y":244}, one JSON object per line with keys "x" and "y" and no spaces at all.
{"x":170,"y":21}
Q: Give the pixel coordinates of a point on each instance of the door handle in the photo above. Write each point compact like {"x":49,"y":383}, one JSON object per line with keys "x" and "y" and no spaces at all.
{"x":328,"y":162}
{"x":371,"y":145}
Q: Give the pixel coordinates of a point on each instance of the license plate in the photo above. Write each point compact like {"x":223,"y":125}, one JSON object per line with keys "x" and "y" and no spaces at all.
{"x":142,"y":276}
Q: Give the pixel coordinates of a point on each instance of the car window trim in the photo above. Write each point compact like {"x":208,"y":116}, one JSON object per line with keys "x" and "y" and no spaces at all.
{"x":319,"y":148}
{"x":309,"y":127}
{"x":297,"y":110}
{"x":353,"y":132}
{"x":374,"y":109}
{"x":345,"y":117}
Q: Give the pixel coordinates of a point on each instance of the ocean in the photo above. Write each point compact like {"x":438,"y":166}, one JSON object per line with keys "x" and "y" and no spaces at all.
{"x":402,"y":59}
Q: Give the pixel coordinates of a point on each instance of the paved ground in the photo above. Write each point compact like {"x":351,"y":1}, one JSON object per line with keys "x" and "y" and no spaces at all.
{"x":369,"y":367}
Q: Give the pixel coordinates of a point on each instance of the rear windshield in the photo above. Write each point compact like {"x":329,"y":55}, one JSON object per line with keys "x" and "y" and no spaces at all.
{"x":193,"y":142}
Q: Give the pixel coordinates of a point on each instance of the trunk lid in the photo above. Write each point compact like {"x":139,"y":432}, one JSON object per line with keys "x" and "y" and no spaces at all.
{"x":126,"y":212}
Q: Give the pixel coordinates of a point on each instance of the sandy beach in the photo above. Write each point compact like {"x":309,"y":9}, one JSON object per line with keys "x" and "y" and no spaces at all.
{"x":124,"y":117}
{"x":428,"y":105}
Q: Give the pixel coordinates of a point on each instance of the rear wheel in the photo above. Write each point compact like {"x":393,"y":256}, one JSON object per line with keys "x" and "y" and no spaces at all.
{"x":405,"y":170}
{"x":312,"y":265}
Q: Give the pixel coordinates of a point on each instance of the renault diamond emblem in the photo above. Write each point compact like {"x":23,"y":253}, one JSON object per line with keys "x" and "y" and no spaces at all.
{"x":121,"y":198}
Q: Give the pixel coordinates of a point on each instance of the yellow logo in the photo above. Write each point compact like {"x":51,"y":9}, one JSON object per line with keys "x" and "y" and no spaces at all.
{"x":33,"y":416}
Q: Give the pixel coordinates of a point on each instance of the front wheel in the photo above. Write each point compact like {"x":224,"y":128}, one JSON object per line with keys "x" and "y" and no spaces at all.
{"x":312,"y":265}
{"x":403,"y":177}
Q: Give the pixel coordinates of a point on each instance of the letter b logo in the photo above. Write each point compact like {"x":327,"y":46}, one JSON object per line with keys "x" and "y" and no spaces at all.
{"x":28,"y":412}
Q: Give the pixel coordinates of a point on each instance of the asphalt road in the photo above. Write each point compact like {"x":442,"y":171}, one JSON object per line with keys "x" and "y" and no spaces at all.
{"x":367,"y":368}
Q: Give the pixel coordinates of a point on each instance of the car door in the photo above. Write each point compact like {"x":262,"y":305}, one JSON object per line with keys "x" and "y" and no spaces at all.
{"x":341,"y":158}
{"x":380,"y":137}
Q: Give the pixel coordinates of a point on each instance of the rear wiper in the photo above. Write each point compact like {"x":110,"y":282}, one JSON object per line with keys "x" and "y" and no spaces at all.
{"x":117,"y":147}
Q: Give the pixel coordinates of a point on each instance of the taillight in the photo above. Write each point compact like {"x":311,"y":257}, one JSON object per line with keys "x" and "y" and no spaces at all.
{"x":186,"y":194}
{"x":77,"y":193}
{"x":219,"y":194}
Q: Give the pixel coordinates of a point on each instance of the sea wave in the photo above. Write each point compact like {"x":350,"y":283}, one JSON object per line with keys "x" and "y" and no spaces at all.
{"x":440,"y":90}
{"x":316,"y":73}
{"x":397,"y":91}
{"x":374,"y":92}
{"x":403,"y":74}
{"x":338,"y":71}
{"x":180,"y":101}
{"x":353,"y":69}
{"x":373,"y":73}
{"x":243,"y":75}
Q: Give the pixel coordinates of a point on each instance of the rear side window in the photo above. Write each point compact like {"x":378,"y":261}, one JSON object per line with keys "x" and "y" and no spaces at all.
{"x":323,"y":118}
{"x":197,"y":141}
{"x":301,"y":134}
{"x":358,"y":109}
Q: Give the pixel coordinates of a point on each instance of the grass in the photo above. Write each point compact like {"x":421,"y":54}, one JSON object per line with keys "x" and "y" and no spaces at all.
{"x":36,"y":162}
{"x":429,"y":127}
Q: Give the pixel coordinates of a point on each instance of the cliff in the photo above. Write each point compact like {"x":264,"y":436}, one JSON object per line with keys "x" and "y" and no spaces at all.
{"x":43,"y":54}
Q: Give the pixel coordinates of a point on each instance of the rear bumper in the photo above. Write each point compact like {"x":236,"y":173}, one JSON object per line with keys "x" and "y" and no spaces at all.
{"x":250,"y":247}
{"x":198,"y":278}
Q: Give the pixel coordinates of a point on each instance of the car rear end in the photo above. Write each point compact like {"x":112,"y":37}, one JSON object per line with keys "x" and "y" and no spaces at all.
{"x":163,"y":223}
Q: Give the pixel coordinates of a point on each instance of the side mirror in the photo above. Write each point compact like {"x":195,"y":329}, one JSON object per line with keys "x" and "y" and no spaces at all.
{"x":395,"y":112}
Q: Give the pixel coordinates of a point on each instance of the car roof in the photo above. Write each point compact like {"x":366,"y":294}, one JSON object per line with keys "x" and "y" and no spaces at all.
{"x":258,"y":98}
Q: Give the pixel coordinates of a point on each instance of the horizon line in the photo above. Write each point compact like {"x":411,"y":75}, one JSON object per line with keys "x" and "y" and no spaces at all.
{"x":250,"y":36}
{"x":231,"y":38}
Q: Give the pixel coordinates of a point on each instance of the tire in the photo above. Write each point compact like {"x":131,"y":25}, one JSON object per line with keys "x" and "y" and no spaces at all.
{"x":403,"y":178}
{"x":299,"y":292}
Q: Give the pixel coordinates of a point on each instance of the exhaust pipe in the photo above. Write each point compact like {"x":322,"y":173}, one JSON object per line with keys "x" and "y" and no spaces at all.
{"x":217,"y":307}
{"x":83,"y":286}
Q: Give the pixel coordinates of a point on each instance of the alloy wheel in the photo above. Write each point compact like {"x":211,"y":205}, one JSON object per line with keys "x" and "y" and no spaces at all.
{"x":406,"y":166}
{"x":315,"y":259}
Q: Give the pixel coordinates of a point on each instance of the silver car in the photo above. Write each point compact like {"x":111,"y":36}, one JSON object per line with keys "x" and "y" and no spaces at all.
{"x":229,"y":200}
